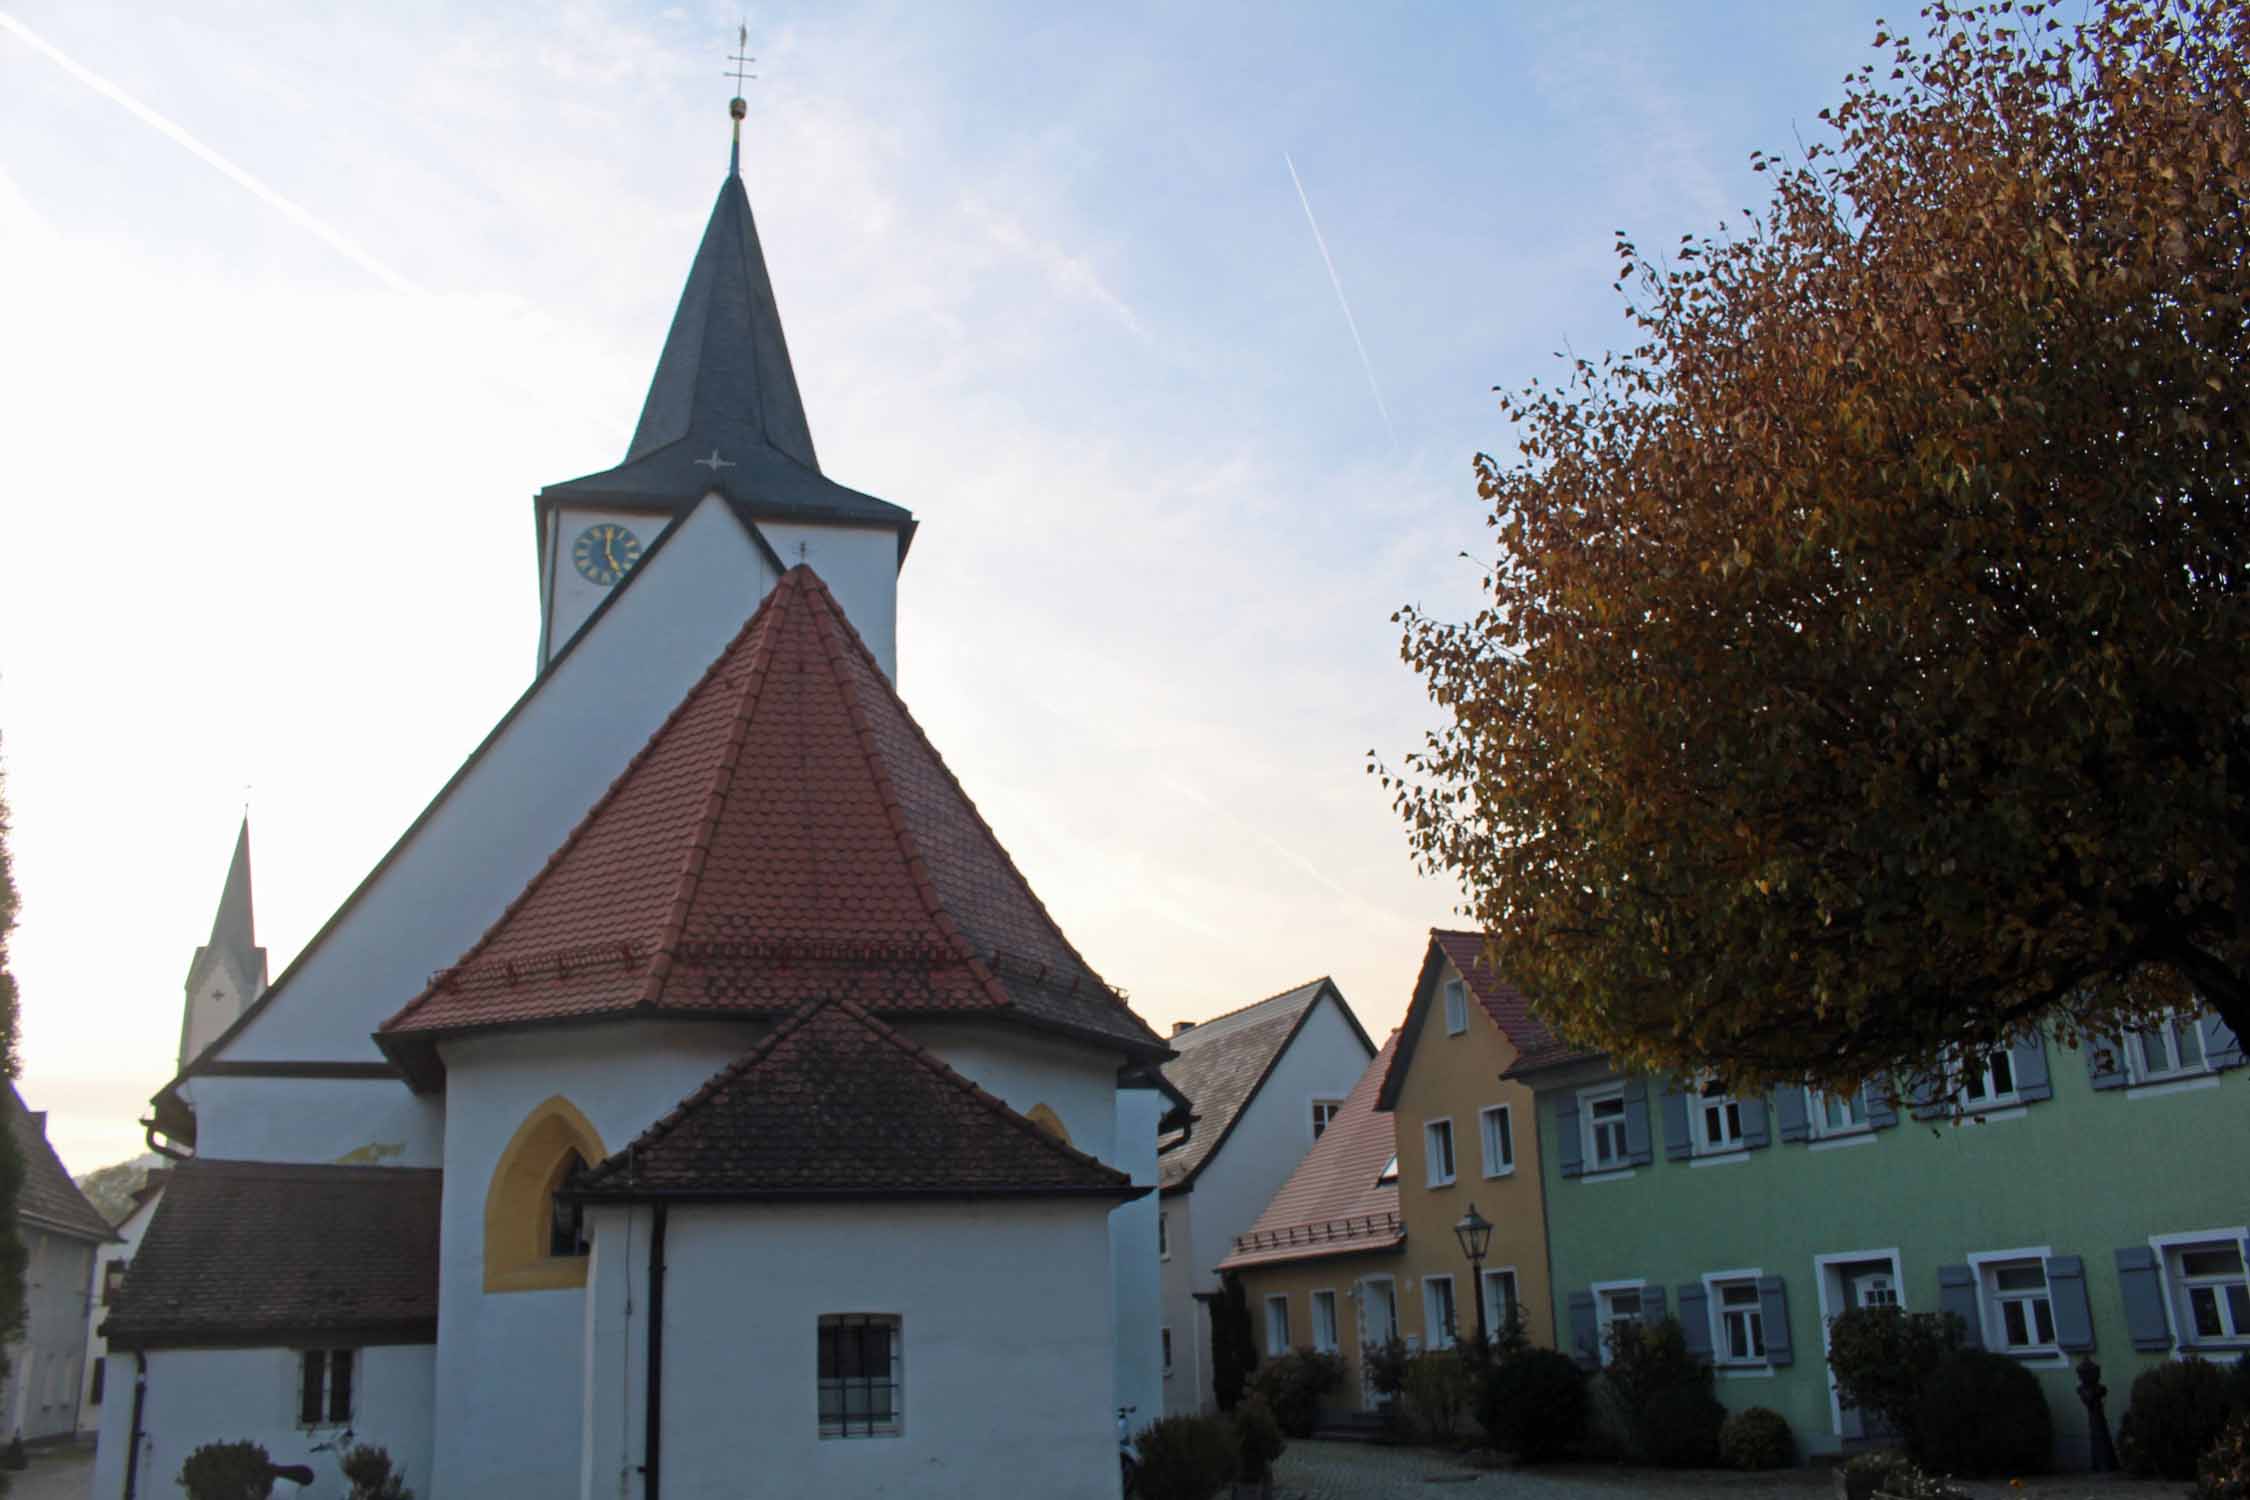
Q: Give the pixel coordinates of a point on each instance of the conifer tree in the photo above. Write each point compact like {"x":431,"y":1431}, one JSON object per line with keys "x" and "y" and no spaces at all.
{"x":11,"y":1159}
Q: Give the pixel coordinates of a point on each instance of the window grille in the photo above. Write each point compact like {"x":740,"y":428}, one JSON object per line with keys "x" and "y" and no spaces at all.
{"x":859,"y":1375}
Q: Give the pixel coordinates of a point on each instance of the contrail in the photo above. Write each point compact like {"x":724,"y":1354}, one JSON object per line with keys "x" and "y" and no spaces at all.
{"x":335,"y":238}
{"x":1341,"y":301}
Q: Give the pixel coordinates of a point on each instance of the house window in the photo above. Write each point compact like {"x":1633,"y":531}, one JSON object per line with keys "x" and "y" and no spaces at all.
{"x":566,"y":1217}
{"x":1438,"y":1323}
{"x":1499,"y":1133}
{"x":324,"y":1387}
{"x":1324,"y":1112}
{"x":1835,"y":1114}
{"x":2173,"y":1048}
{"x":859,"y":1375}
{"x":1604,"y":1114}
{"x":1456,"y":1007}
{"x":1163,"y":1236}
{"x":101,"y":1378}
{"x":1741,"y":1329}
{"x":113,"y":1280}
{"x":1390,"y":1170}
{"x":1718,"y":1120}
{"x":1619,"y":1308}
{"x":2214,"y":1299}
{"x":1500,"y":1300}
{"x":2017,"y":1309}
{"x":1167,"y":1335}
{"x":1437,"y":1152}
{"x":1989,"y":1083}
{"x":1324,"y":1321}
{"x":1277,"y":1325}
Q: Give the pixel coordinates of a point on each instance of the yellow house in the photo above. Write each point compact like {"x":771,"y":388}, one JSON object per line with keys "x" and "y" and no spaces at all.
{"x":1465,"y":1138}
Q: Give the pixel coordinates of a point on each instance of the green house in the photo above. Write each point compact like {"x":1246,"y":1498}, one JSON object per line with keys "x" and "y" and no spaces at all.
{"x":2065,"y":1203}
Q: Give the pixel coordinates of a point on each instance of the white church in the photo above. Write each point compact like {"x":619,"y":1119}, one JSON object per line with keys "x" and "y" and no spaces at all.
{"x":696,"y":1101}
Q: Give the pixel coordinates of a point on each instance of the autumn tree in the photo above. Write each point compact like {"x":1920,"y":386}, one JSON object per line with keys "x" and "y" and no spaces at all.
{"x":12,"y":1257}
{"x":1863,"y":675}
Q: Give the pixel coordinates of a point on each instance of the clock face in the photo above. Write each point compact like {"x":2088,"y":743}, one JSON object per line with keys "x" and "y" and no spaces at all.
{"x":604,"y":551}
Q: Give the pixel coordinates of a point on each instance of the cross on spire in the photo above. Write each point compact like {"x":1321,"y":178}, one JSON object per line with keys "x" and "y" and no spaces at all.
{"x":737,"y":107}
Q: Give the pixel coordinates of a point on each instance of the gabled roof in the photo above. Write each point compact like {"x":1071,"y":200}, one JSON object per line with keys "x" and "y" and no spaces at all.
{"x":48,"y":1197}
{"x":1335,"y":1203}
{"x":786,"y":834}
{"x":265,"y":1253}
{"x":1502,"y":1001}
{"x":835,"y":1104}
{"x":1224,"y":1061}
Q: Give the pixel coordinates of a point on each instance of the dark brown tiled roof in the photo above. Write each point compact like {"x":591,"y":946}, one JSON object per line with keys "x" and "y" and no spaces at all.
{"x":1220,"y":1065}
{"x":1508,"y":1006}
{"x":788,"y":833}
{"x":835,"y":1104}
{"x":1335,"y":1203}
{"x":266,"y":1253}
{"x":49,"y":1198}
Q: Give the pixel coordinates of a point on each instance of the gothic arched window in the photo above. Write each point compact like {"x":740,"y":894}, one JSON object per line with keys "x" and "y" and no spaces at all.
{"x":535,"y":1239}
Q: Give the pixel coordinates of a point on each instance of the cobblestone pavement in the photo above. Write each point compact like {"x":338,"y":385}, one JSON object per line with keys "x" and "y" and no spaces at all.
{"x":1357,"y":1471}
{"x":64,"y":1473}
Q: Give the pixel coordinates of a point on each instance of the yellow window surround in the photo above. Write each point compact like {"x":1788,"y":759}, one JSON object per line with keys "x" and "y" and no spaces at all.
{"x":518,"y":1207}
{"x":1047,"y":1120}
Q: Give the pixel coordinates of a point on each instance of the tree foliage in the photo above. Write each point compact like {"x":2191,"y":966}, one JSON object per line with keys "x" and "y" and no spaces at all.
{"x":12,"y":1258}
{"x":1862,"y":678}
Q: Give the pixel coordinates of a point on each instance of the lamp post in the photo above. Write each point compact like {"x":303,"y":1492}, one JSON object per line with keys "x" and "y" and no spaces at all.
{"x":1475,"y":1234}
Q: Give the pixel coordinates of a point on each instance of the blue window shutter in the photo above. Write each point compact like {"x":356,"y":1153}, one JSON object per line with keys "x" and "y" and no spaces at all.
{"x":1957,"y":1294}
{"x":1585,"y":1336}
{"x":2105,"y":1062}
{"x":1673,"y":1105}
{"x":2221,"y":1047}
{"x":2066,"y":1294}
{"x":1789,"y":1109}
{"x":1773,"y":1320}
{"x":2030,"y":1059}
{"x":1636,"y":1123}
{"x":1695,"y":1319}
{"x":1569,"y":1149}
{"x":1754,"y":1132}
{"x":1877,"y":1096}
{"x":1929,"y":1098}
{"x":2142,"y":1289}
{"x":1652,"y":1303}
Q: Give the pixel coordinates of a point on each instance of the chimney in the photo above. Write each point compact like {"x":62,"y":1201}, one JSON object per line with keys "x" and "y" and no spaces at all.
{"x":1180,"y":1026}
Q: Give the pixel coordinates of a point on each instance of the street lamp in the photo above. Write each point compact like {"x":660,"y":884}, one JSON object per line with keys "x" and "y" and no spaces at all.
{"x":1475,"y":1234}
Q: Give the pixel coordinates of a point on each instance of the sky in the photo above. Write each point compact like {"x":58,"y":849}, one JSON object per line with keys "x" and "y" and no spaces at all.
{"x":300,"y":306}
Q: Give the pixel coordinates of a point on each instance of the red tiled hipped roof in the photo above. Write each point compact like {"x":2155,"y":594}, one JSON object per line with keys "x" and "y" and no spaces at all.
{"x":835,"y":1104}
{"x":787,"y":833}
{"x":1334,"y":1203}
{"x":240,"y":1253}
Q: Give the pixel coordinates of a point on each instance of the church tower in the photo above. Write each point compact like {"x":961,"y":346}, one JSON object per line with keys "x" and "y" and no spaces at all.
{"x":229,"y":971}
{"x":723,"y":420}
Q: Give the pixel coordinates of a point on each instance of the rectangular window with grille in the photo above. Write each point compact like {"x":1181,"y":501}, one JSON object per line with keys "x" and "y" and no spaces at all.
{"x":859,"y":1375}
{"x":324,"y":1387}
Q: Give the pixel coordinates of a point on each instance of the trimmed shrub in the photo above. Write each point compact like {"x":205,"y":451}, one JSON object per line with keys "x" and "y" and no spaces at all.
{"x":1439,"y":1389}
{"x":1983,"y":1414}
{"x":2176,"y":1413}
{"x":1680,"y":1426}
{"x":1257,"y":1440}
{"x":1185,"y":1458}
{"x":1293,"y":1384}
{"x":1883,"y":1357}
{"x":1756,"y":1437}
{"x":1534,"y":1405}
{"x":2225,"y":1471}
{"x":1645,"y":1358}
{"x":1385,"y":1364}
{"x":369,"y":1471}
{"x":227,"y":1471}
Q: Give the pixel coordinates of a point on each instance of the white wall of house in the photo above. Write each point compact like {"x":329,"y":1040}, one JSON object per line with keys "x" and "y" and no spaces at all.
{"x":1137,"y":1292}
{"x":1187,"y":1389}
{"x":1022,"y":1069}
{"x":128,"y":1241}
{"x":373,"y":1122}
{"x":568,"y":596}
{"x":47,"y":1364}
{"x":198,"y":1396}
{"x":1005,"y":1361}
{"x":860,"y":567}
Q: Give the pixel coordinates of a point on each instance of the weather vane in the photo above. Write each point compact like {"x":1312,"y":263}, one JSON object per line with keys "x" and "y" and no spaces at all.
{"x":742,"y":60}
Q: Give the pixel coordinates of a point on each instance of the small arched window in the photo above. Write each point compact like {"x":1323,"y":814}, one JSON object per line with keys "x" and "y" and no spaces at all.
{"x":566,"y":1219}
{"x":535,"y":1239}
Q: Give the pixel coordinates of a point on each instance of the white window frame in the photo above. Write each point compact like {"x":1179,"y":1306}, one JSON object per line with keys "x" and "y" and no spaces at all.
{"x":1390,"y":1170}
{"x":1313,"y":1119}
{"x":2174,"y":1282}
{"x":1983,"y":1265}
{"x":1431,"y":1177}
{"x":1715,"y":1284}
{"x":1824,"y":1271}
{"x":327,"y":1355}
{"x":1456,"y":993}
{"x":1327,"y":1340}
{"x":840,"y":1429}
{"x":1495,"y":1310}
{"x":1995,"y":1098}
{"x":1701,"y":1105}
{"x":2137,"y":1070}
{"x":1606,"y":1316}
{"x":1435,"y":1333}
{"x":1590,"y":1158}
{"x":1277,"y":1327}
{"x":1507,"y":1135}
{"x":1816,"y":1114}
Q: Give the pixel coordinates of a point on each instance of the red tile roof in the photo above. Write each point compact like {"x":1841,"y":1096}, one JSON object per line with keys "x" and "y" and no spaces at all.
{"x":835,"y":1104}
{"x":275,"y":1253}
{"x":787,"y":833}
{"x":1334,"y":1203}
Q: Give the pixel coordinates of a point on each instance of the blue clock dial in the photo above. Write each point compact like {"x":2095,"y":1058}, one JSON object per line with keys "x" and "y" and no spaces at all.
{"x":604,"y":552}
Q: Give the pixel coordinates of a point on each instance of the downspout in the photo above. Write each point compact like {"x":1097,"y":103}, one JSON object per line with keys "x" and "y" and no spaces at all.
{"x":133,"y":1445}
{"x":652,"y":1443}
{"x":148,"y":1134}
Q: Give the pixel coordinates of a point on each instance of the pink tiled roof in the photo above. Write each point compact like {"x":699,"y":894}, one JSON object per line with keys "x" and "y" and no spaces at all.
{"x":1334,"y":1204}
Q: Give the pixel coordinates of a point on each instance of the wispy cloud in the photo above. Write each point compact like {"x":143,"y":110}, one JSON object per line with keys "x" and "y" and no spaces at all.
{"x":1342,"y":301}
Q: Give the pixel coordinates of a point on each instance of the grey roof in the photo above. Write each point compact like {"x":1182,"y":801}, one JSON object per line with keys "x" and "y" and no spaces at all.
{"x":724,"y":386}
{"x":1223,"y":1061}
{"x":48,"y":1197}
{"x":234,"y":930}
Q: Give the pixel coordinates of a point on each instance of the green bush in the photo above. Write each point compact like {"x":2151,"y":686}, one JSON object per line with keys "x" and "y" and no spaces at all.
{"x":1679,"y":1428}
{"x":1185,"y":1458}
{"x":1440,"y":1387}
{"x":1257,"y":1440}
{"x":1983,"y":1414}
{"x":1895,"y":1474}
{"x":1882,"y":1359}
{"x":2225,"y":1471}
{"x":369,"y":1471}
{"x":1293,"y":1384}
{"x":227,"y":1471}
{"x":1645,"y":1358}
{"x":2176,"y":1413}
{"x":1534,"y":1405}
{"x":1756,"y":1437}
{"x":1385,"y":1364}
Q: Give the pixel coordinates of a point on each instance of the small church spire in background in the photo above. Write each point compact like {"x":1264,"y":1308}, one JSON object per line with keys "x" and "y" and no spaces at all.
{"x":228,"y":972}
{"x":737,"y":107}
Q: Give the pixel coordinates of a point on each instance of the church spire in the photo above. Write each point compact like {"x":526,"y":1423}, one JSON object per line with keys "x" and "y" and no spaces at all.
{"x":229,"y":971}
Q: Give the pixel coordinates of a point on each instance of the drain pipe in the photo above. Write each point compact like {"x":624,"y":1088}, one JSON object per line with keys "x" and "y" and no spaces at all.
{"x":133,"y":1445}
{"x":652,"y":1445}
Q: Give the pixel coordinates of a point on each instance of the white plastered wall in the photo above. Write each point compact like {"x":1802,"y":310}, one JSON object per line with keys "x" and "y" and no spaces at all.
{"x":860,"y":567}
{"x":128,"y":1241}
{"x":567,"y":595}
{"x":353,"y":1122}
{"x":1137,"y":1295}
